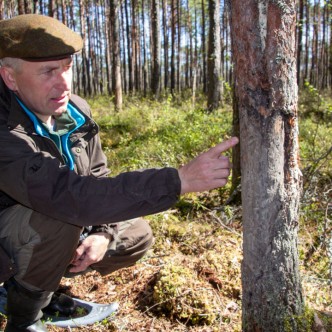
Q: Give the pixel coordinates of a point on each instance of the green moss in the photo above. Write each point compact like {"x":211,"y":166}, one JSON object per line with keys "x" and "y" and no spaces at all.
{"x":300,"y":323}
{"x":179,"y":295}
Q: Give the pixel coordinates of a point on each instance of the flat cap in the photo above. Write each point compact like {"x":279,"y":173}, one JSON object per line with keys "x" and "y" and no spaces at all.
{"x":35,"y":37}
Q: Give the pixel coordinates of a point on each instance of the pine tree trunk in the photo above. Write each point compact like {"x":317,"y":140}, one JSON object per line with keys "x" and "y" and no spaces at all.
{"x":330,"y":57}
{"x":204,"y":48}
{"x":20,"y":7}
{"x":129,"y":50}
{"x":173,"y":30}
{"x":178,"y":58}
{"x":263,"y":36}
{"x":155,"y":27}
{"x":299,"y":41}
{"x":51,"y":8}
{"x":307,"y":29}
{"x":214,"y":79}
{"x":124,"y":63}
{"x":134,"y":42}
{"x":145,"y":60}
{"x":116,"y":69}
{"x":166,"y":43}
{"x":2,"y":10}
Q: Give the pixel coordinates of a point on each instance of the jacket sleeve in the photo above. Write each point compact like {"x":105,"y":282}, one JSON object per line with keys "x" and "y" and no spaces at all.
{"x":37,"y":180}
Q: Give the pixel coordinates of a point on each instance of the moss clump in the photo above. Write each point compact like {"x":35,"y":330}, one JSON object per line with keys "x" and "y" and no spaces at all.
{"x":180,"y":295}
{"x":300,"y":323}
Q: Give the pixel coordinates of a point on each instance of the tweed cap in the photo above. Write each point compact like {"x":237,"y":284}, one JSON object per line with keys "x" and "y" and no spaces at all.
{"x":35,"y":37}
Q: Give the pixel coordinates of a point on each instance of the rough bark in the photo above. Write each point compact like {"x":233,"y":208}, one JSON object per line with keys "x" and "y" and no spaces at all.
{"x":263,"y":40}
{"x":236,"y":155}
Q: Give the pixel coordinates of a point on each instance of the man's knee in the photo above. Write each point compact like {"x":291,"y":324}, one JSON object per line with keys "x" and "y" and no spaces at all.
{"x":53,"y":253}
{"x":40,"y":246}
{"x":133,"y":237}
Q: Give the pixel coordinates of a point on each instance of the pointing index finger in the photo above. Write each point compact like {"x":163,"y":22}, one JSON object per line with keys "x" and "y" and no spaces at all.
{"x":223,"y":146}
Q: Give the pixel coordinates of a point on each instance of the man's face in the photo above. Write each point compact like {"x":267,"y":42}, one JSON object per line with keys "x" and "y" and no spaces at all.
{"x":44,"y":87}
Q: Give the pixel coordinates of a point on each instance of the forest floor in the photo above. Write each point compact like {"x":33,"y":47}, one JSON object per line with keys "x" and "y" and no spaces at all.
{"x":207,"y":251}
{"x":212,"y":251}
{"x":190,"y":280}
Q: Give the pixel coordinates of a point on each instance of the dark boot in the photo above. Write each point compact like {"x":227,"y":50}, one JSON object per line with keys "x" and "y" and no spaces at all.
{"x":24,"y":308}
{"x":61,"y":304}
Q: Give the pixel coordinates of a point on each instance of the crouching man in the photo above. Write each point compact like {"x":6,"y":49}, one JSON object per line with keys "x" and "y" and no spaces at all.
{"x":60,"y":211}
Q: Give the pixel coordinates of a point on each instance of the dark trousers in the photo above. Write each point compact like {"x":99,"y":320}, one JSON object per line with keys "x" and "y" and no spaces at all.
{"x":42,"y":247}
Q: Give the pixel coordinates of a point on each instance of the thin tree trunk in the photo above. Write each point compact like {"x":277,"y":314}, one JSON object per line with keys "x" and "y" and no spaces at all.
{"x":20,"y":7}
{"x":2,"y":10}
{"x":108,"y":48}
{"x":27,"y":7}
{"x":90,"y":57}
{"x":129,"y":51}
{"x":145,"y":57}
{"x":178,"y":58}
{"x":314,"y":45}
{"x":35,"y":6}
{"x":155,"y":27}
{"x":63,"y":11}
{"x":299,"y":41}
{"x":116,"y":72}
{"x":134,"y":39}
{"x":204,"y":48}
{"x":263,"y":37}
{"x":307,"y":39}
{"x":214,"y":79}
{"x":82,"y":76}
{"x":194,"y":62}
{"x":330,"y":57}
{"x":124,"y":66}
{"x":166,"y":44}
{"x":323,"y":64}
{"x":173,"y":30}
{"x":51,"y":8}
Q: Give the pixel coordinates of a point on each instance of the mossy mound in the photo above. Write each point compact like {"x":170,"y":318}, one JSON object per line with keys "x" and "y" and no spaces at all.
{"x":180,"y":295}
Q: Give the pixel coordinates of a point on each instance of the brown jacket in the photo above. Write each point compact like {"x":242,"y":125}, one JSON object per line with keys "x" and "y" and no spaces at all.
{"x":33,"y":173}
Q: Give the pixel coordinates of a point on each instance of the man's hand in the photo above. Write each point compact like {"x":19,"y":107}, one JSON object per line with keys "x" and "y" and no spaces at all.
{"x":207,"y":171}
{"x":91,"y":250}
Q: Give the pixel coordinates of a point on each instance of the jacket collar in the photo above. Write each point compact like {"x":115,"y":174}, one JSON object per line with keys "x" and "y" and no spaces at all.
{"x":17,"y":117}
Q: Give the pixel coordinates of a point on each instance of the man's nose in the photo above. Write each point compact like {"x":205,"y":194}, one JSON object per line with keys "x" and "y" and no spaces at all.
{"x":64,"y":80}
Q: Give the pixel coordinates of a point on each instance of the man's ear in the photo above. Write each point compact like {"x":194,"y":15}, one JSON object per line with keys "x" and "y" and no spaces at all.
{"x":8,"y":76}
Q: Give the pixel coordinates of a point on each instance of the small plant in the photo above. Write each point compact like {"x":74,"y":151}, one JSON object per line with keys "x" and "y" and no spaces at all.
{"x":313,"y":103}
{"x":80,"y":311}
